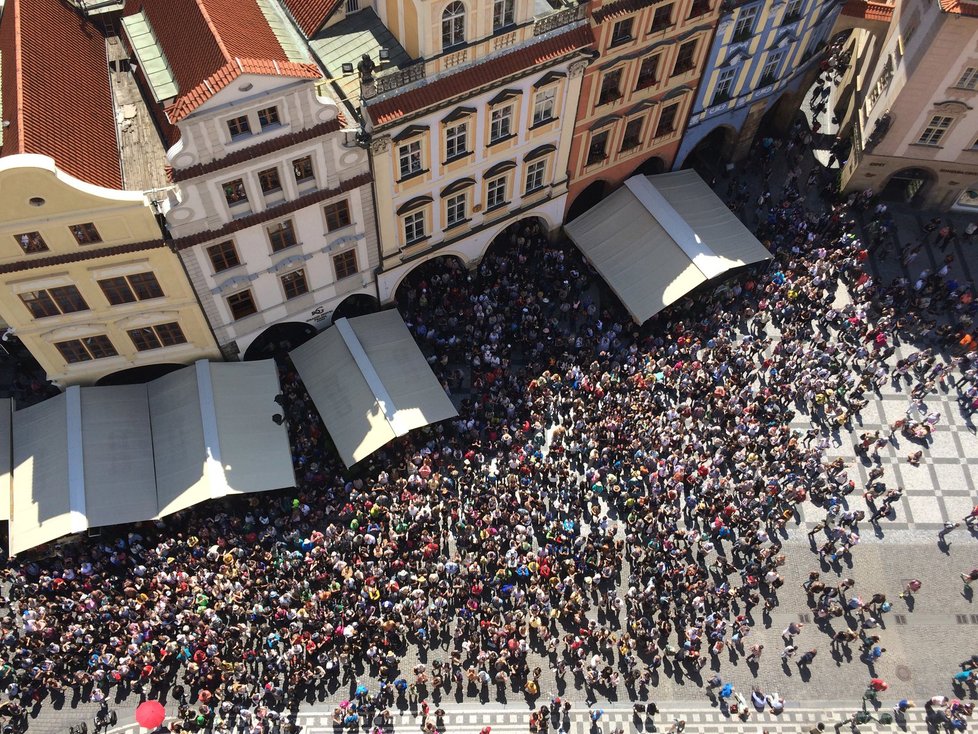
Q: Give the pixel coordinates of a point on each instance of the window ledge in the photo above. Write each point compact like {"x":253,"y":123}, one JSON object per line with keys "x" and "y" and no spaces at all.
{"x":497,"y":207}
{"x":414,"y":175}
{"x":459,"y":223}
{"x":457,"y":158}
{"x":339,"y":229}
{"x":503,"y":139}
{"x":415,"y":243}
{"x":616,"y":42}
{"x":610,"y":100}
{"x":543,"y":123}
{"x":929,"y":146}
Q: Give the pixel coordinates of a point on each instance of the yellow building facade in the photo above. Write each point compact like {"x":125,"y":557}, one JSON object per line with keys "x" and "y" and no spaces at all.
{"x":87,"y":282}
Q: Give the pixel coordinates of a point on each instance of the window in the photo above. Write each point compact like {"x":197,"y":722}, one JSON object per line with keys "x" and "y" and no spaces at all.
{"x":543,"y":105}
{"x":269,"y":181}
{"x":502,"y":13}
{"x":40,"y":304}
{"x":662,"y":18}
{"x":268,"y":117}
{"x":622,"y":31}
{"x":234,"y":192}
{"x":31,"y":242}
{"x":345,"y":263}
{"x":700,"y":7}
{"x":648,"y":72}
{"x":84,"y":350}
{"x":54,"y":301}
{"x":969,"y":79}
{"x":294,"y":284}
{"x":242,"y":304}
{"x":453,"y":25}
{"x":667,"y":120}
{"x":455,"y":210}
{"x":223,"y":256}
{"x":239,"y":126}
{"x":501,"y":123}
{"x":792,"y":12}
{"x":156,"y":337}
{"x":409,"y":156}
{"x":302,"y":167}
{"x":534,"y":175}
{"x":86,"y":234}
{"x":609,"y":87}
{"x":935,"y":130}
{"x":686,"y":58}
{"x":414,"y":227}
{"x":281,"y":235}
{"x":745,"y":23}
{"x":597,"y":150}
{"x":131,"y":288}
{"x":725,"y":79}
{"x":496,"y":192}
{"x":456,"y":141}
{"x":632,"y":136}
{"x":770,"y":71}
{"x":337,"y":215}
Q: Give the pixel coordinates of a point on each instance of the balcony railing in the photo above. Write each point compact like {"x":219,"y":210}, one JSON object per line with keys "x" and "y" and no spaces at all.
{"x":400,"y":77}
{"x":556,"y":20}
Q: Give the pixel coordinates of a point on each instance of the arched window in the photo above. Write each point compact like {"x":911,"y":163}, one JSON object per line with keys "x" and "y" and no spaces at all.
{"x":453,"y":25}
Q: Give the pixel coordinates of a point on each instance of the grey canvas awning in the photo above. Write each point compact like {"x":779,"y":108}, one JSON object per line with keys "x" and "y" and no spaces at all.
{"x":98,"y":456}
{"x":370,"y":383}
{"x":659,"y":237}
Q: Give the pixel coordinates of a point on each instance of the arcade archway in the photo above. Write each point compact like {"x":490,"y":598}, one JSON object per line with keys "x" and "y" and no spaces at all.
{"x":138,"y":375}
{"x":712,"y":153}
{"x":591,"y":195}
{"x":279,"y":339}
{"x":908,"y":185}
{"x":359,"y":304}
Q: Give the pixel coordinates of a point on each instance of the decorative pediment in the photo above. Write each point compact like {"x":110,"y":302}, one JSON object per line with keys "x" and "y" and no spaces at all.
{"x":459,"y":113}
{"x":953,"y":105}
{"x":455,"y":186}
{"x":549,"y":78}
{"x":499,"y":168}
{"x":415,"y":203}
{"x":603,"y":122}
{"x":505,"y":95}
{"x":410,"y":131}
{"x":539,"y":152}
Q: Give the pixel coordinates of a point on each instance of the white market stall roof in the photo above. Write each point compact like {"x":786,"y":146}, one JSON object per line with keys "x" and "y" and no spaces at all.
{"x":658,"y":237}
{"x":97,"y":456}
{"x":370,"y":383}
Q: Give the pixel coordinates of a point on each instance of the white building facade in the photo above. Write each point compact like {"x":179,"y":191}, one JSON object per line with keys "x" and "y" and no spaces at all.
{"x":274,"y":217}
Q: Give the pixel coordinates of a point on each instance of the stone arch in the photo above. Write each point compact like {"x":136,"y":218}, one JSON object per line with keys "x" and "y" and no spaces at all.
{"x":908,"y":185}
{"x":651,"y":166}
{"x":502,"y":236}
{"x":418,"y":269}
{"x":712,"y":151}
{"x":138,"y":375}
{"x":589,"y":196}
{"x":279,"y":339}
{"x":356,"y":304}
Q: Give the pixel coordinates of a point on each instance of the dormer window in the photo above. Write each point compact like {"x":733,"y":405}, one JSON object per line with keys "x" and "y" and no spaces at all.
{"x":502,"y":13}
{"x":453,"y":25}
{"x":239,"y":127}
{"x":31,"y":242}
{"x":86,"y":234}
{"x":268,"y":117}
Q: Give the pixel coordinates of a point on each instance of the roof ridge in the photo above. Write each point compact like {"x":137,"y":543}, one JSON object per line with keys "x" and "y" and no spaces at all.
{"x":21,"y":135}
{"x":201,"y":4}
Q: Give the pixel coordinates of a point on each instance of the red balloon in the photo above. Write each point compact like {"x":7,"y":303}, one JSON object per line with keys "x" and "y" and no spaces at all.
{"x":150,"y":714}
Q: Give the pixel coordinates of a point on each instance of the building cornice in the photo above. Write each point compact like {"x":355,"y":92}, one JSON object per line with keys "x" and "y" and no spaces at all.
{"x":80,"y":256}
{"x":236,"y":225}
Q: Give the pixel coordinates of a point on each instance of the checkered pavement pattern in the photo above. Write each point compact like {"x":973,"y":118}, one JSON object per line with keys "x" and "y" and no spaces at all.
{"x":699,"y":720}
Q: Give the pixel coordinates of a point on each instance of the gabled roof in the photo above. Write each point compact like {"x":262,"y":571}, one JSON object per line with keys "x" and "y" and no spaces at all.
{"x":868,"y":10}
{"x":470,"y":78}
{"x":310,"y":15}
{"x":210,"y":43}
{"x":960,"y":7}
{"x":56,"y":92}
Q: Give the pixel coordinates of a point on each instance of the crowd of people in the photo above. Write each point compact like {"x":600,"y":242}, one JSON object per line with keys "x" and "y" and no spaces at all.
{"x":611,"y":501}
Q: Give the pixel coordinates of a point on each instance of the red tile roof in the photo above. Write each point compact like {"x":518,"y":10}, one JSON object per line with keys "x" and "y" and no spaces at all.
{"x":960,"y":7}
{"x":210,"y":43}
{"x":310,"y":15}
{"x":448,"y":87}
{"x":56,"y":93}
{"x":868,"y":10}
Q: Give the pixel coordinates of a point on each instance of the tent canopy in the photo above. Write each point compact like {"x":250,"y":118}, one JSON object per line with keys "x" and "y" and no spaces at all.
{"x":659,"y":237}
{"x":98,"y":456}
{"x":370,"y":383}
